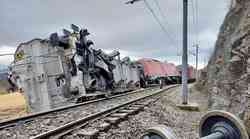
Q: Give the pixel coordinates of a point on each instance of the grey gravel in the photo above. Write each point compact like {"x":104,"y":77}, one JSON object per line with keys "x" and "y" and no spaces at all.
{"x":164,"y":111}
{"x":50,"y":121}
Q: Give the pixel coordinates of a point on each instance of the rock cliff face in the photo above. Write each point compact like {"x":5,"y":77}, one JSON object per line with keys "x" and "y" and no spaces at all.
{"x":228,"y":71}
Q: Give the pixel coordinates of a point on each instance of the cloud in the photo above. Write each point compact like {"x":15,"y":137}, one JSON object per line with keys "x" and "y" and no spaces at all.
{"x":7,"y":50}
{"x":130,"y":29}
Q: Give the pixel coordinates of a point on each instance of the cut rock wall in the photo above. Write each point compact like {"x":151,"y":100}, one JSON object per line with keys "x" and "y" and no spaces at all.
{"x":228,"y":71}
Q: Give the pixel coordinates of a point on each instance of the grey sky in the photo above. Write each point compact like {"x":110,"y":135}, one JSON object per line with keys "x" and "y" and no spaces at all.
{"x":112,"y":24}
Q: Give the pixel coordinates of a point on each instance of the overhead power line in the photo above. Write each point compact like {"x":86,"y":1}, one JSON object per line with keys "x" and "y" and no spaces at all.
{"x":174,"y":40}
{"x":158,"y":21}
{"x":179,"y":28}
{"x":155,"y":17}
{"x":195,"y":24}
{"x":163,"y":15}
{"x":197,"y":19}
{"x":193,"y":21}
{"x":175,"y":34}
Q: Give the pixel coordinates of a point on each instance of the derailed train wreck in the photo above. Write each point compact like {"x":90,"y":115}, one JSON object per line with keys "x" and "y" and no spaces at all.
{"x":65,"y":69}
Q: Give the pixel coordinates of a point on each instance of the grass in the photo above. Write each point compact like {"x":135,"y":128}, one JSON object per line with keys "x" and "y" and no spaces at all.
{"x":3,"y":92}
{"x":12,"y":105}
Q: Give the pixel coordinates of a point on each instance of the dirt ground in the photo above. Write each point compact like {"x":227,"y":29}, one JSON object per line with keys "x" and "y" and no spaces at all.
{"x":11,"y":105}
{"x":183,"y":123}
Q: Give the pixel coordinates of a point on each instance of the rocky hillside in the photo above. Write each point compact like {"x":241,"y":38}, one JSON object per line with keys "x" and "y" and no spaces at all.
{"x":228,"y":72}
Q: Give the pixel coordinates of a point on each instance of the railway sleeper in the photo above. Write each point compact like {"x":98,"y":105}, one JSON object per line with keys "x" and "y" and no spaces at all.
{"x":135,"y":108}
{"x":105,"y":126}
{"x":121,"y":115}
{"x":138,"y":105}
{"x":93,"y":132}
{"x":112,"y":119}
{"x":88,"y":134}
{"x":91,"y":126}
{"x":131,"y":109}
{"x":127,"y":111}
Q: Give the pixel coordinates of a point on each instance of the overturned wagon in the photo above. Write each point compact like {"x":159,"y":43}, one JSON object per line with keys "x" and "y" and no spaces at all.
{"x":156,"y":71}
{"x":65,"y":69}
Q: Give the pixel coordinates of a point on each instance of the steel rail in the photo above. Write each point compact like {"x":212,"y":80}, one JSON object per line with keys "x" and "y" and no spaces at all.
{"x":83,"y":120}
{"x":27,"y":118}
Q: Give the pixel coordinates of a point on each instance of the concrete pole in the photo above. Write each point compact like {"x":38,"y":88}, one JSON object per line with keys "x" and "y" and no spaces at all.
{"x":185,"y":54}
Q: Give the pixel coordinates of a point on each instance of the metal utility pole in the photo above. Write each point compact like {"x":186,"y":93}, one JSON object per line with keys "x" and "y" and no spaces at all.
{"x":184,"y":90}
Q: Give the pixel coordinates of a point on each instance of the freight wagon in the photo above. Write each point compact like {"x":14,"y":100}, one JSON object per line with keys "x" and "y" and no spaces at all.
{"x":156,"y":71}
{"x":61,"y":70}
{"x":191,"y":73}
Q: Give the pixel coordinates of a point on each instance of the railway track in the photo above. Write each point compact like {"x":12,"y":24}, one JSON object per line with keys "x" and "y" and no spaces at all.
{"x":27,"y":118}
{"x":35,"y":124}
{"x":90,"y":126}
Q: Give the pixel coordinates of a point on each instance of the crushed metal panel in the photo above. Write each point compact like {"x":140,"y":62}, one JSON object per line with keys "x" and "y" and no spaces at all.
{"x":39,"y":69}
{"x":118,"y":77}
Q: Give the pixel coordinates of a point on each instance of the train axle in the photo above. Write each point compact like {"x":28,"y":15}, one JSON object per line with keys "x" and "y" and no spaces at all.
{"x":213,"y":125}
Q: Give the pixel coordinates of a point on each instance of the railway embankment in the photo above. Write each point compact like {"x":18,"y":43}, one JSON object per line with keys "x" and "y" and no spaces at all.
{"x":164,"y":111}
{"x":32,"y":125}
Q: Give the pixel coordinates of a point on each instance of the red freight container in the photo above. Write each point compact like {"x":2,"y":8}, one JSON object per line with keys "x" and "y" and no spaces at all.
{"x":191,"y":71}
{"x":156,"y":68}
{"x":152,"y":67}
{"x":170,"y":69}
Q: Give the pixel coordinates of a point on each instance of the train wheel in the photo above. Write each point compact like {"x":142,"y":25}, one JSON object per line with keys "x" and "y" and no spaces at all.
{"x":159,"y":132}
{"x":222,"y":124}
